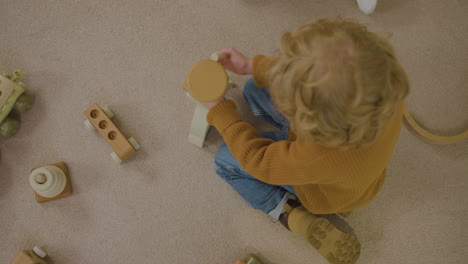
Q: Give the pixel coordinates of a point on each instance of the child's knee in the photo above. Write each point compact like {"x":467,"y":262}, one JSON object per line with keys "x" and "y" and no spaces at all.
{"x":227,"y":167}
{"x":222,"y":165}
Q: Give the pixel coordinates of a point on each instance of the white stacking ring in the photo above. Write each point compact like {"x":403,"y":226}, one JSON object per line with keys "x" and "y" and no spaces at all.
{"x":54,"y":184}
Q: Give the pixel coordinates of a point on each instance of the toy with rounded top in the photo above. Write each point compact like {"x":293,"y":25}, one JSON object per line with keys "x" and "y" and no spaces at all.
{"x":51,"y":182}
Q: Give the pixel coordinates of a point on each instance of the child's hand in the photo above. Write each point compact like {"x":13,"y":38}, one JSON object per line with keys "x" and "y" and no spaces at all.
{"x":236,"y":61}
{"x":212,"y":104}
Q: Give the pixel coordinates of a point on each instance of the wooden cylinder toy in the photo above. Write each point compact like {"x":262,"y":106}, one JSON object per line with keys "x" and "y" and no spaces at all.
{"x":207,"y":81}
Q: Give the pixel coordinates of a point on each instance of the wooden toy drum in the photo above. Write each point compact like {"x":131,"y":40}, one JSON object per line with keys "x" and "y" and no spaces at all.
{"x":207,"y":81}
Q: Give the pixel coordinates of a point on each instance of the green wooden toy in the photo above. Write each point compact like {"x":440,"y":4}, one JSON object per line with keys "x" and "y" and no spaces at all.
{"x":252,"y":259}
{"x":13,"y":100}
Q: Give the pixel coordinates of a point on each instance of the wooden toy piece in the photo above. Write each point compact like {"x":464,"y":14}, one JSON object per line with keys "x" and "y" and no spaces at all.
{"x":9,"y":127}
{"x":34,"y":256}
{"x":252,"y":259}
{"x":218,"y":55}
{"x":199,"y":127}
{"x":207,"y":81}
{"x":426,"y":135}
{"x":99,"y":119}
{"x":345,"y":214}
{"x":249,"y":259}
{"x":367,"y":6}
{"x":51,"y":182}
{"x":12,"y":96}
{"x":7,"y":88}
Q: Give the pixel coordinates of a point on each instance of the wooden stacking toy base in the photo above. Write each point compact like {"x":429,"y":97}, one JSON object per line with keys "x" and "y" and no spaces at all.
{"x":68,"y":187}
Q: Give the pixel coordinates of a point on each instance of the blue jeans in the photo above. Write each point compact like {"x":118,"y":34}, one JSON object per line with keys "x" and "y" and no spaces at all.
{"x":257,"y":194}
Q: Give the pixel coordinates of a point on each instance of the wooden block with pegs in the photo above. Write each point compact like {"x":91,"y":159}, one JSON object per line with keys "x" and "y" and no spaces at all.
{"x":60,"y":183}
{"x":100,"y":119}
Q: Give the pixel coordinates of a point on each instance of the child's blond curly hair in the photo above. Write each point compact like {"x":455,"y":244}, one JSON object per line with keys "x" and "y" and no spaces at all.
{"x":337,"y":83}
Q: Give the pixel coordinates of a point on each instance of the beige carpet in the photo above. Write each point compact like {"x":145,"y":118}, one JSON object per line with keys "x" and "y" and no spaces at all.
{"x":167,"y":205}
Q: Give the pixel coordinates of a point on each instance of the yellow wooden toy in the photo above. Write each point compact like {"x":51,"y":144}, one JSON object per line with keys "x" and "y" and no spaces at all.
{"x":428,"y":136}
{"x":207,"y":81}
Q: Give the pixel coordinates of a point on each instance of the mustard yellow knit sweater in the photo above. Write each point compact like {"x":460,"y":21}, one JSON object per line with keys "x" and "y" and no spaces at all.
{"x":326,"y":180}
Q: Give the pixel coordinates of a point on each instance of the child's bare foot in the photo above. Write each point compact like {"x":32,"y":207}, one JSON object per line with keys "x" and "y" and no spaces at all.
{"x":333,"y":244}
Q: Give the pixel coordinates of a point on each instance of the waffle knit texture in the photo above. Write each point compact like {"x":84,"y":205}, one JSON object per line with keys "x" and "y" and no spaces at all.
{"x":326,"y":180}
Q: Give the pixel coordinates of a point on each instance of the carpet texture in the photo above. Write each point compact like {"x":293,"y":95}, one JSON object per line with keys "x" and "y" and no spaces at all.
{"x":167,"y":205}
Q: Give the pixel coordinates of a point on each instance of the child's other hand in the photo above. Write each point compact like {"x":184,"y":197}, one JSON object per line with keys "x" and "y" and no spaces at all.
{"x":210,"y":105}
{"x":236,"y":61}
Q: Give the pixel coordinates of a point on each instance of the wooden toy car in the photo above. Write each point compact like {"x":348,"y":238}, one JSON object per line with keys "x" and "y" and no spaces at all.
{"x":100,"y":119}
{"x":13,"y":98}
{"x":35,"y":256}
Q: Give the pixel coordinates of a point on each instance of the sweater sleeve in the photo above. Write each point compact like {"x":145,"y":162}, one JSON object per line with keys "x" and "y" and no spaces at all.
{"x":260,"y":67}
{"x":273,"y":162}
